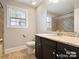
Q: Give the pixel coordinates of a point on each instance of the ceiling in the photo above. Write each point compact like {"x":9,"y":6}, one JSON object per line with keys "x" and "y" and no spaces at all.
{"x":29,"y":2}
{"x":62,"y":7}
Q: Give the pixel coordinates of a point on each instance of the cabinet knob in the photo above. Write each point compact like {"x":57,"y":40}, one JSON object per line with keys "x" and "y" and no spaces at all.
{"x":53,"y":52}
{"x":65,"y":49}
{"x":57,"y":55}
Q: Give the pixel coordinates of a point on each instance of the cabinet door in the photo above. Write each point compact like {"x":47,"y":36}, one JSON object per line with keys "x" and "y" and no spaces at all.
{"x":48,"y":53}
{"x":66,"y":52}
{"x":38,"y":48}
{"x":62,"y":55}
{"x":49,"y":49}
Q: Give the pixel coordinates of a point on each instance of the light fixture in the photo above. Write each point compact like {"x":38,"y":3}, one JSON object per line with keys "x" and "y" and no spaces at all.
{"x":53,"y":1}
{"x":33,"y":3}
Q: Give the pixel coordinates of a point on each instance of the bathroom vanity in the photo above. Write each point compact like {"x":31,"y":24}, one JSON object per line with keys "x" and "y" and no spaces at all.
{"x":50,"y":46}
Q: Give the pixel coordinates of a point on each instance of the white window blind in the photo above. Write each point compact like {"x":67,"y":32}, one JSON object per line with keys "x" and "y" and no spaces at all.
{"x":17,"y":17}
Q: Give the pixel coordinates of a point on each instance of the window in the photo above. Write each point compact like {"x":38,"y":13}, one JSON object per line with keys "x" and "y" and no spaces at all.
{"x":49,"y":23}
{"x":16,"y":17}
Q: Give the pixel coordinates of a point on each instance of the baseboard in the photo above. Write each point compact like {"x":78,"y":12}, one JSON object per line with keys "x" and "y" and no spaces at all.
{"x":14,"y":49}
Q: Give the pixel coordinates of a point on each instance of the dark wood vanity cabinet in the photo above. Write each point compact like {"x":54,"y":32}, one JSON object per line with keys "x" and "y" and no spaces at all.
{"x":48,"y":49}
{"x":38,"y":48}
{"x":48,"y":53}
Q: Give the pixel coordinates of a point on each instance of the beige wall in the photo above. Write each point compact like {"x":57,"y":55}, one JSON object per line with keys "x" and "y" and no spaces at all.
{"x":41,"y":17}
{"x":76,"y":21}
{"x":1,"y":22}
{"x":76,"y":3}
{"x":14,"y":37}
{"x":1,"y":43}
{"x":76,"y":16}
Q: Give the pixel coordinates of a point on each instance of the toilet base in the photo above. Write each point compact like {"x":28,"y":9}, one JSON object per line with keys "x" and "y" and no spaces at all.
{"x":30,"y":51}
{"x":30,"y":47}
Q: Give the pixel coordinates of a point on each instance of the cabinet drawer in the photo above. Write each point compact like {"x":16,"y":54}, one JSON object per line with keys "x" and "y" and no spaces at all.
{"x":67,"y":51}
{"x":61,"y":46}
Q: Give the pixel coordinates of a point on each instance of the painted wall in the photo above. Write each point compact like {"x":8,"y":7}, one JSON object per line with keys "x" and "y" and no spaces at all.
{"x":2,"y":29}
{"x":76,"y":21}
{"x":76,"y":16}
{"x":76,"y":4}
{"x":1,"y":22}
{"x":14,"y":37}
{"x":41,"y":17}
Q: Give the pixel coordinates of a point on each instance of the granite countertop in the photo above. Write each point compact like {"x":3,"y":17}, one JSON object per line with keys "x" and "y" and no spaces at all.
{"x":73,"y":41}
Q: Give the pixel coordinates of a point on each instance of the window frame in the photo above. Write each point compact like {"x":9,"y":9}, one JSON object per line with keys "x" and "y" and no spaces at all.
{"x":9,"y":20}
{"x":49,"y":23}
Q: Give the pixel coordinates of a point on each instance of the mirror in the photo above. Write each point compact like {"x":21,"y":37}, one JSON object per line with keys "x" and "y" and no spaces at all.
{"x":60,"y":15}
{"x":1,"y":29}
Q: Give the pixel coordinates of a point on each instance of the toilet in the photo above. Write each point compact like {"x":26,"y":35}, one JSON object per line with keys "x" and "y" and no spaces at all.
{"x":30,"y":47}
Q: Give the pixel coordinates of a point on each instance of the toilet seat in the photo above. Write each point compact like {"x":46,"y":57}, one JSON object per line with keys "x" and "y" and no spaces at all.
{"x":30,"y":43}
